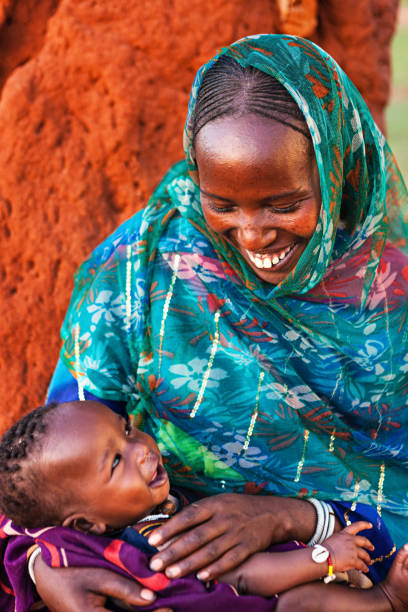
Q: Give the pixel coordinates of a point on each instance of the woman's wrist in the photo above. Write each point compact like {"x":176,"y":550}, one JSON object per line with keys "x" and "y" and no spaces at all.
{"x":293,"y":518}
{"x":298,"y":519}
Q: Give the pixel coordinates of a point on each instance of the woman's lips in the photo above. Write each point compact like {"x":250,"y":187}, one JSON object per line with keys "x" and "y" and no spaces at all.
{"x":277,"y":259}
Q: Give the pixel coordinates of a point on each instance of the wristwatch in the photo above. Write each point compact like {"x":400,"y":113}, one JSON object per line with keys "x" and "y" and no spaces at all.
{"x":320,"y":554}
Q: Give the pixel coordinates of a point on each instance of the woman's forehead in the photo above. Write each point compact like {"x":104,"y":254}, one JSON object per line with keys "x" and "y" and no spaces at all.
{"x":253,"y":139}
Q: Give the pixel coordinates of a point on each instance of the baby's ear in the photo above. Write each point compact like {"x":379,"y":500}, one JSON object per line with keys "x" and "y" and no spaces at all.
{"x":80,"y":523}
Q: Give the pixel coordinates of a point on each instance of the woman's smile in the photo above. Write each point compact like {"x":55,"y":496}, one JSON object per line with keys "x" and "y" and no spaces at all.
{"x":277,"y":258}
{"x":260,"y":190}
{"x":273,"y":259}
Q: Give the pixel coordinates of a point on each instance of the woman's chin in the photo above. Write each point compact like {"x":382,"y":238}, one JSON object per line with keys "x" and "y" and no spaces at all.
{"x":270,"y":275}
{"x":273,"y":278}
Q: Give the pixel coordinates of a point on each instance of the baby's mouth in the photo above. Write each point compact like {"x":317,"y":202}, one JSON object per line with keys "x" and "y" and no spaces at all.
{"x":264,"y":261}
{"x":159,"y":476}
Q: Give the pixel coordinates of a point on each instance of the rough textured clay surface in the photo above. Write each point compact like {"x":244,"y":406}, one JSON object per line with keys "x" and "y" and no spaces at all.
{"x":92,"y":105}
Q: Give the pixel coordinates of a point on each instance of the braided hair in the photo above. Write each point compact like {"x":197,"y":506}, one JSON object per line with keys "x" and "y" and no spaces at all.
{"x":228,"y":88}
{"x":24,"y":497}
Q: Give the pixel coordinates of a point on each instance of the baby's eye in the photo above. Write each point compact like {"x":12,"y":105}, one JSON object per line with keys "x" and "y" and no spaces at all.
{"x":128,"y":427}
{"x":116,"y":461}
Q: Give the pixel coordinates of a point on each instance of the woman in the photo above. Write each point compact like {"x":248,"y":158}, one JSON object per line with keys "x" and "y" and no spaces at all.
{"x":253,"y":316}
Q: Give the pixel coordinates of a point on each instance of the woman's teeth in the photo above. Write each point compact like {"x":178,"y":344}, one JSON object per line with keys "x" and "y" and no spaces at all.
{"x":265,"y":261}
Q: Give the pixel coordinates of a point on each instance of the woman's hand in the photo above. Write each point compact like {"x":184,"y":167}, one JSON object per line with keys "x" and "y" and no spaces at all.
{"x":349,"y":550}
{"x":217,"y":533}
{"x":82,"y":588}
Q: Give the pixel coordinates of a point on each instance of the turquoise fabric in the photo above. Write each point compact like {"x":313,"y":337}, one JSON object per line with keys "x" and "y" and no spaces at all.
{"x":297,"y":389}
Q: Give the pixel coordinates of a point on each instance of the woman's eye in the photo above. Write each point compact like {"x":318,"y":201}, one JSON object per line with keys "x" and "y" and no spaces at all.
{"x":285,"y":209}
{"x":116,"y":461}
{"x":219,"y":209}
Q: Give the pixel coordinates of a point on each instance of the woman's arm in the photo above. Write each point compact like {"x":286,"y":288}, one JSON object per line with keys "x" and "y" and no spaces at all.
{"x":218,"y":533}
{"x":274,"y":572}
{"x":82,"y":588}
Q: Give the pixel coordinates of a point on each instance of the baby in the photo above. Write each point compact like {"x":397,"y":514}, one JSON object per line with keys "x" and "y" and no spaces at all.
{"x":81,"y":465}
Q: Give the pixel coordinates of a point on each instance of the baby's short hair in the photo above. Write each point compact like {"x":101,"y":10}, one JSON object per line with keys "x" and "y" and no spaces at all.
{"x":24,"y":496}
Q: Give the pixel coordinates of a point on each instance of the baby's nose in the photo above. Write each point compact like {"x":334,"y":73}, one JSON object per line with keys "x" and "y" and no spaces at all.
{"x":140,"y":451}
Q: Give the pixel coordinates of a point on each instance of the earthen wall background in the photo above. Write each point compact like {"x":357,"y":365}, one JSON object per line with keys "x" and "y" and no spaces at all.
{"x":92,"y":105}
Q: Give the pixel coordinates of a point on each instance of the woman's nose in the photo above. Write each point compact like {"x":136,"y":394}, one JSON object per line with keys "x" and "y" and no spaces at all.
{"x":255,"y":236}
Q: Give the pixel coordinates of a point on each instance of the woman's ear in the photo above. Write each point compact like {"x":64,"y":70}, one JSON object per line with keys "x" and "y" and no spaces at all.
{"x":80,"y":523}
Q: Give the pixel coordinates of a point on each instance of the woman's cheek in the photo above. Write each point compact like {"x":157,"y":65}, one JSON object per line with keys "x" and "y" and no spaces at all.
{"x":215,"y":221}
{"x":306,"y":220}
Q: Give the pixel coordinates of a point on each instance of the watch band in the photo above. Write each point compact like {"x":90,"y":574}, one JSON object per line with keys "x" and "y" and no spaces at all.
{"x":320,"y":554}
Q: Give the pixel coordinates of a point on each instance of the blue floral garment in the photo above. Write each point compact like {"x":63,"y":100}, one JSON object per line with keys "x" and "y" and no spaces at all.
{"x":297,"y":389}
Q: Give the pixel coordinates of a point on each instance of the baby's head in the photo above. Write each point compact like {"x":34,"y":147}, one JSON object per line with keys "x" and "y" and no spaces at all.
{"x":81,"y":465}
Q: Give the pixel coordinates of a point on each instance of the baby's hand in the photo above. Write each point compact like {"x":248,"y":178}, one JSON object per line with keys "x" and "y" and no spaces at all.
{"x":348,"y":550}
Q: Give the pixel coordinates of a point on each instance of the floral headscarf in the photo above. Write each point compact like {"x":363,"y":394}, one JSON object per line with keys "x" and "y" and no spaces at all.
{"x":355,"y":163}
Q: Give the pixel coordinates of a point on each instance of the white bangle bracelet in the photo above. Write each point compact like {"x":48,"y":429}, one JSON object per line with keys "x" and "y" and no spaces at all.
{"x":325,"y":521}
{"x":31,"y":562}
{"x":326,"y":526}
{"x":320,"y":512}
{"x":332,"y":521}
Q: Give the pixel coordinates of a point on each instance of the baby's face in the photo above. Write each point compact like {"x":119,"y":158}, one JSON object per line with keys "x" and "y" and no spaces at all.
{"x":115,"y":472}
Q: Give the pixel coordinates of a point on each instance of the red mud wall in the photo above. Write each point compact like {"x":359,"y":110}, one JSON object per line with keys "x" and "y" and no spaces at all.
{"x":92,"y":106}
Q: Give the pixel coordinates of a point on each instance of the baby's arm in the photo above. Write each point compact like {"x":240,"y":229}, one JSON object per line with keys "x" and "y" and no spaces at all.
{"x":269,"y":573}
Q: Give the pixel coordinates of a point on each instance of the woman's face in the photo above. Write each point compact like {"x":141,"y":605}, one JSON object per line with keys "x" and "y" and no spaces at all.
{"x":260,"y":190}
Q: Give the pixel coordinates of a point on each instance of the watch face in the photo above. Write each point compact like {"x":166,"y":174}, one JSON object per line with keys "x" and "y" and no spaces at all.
{"x":320,"y":554}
